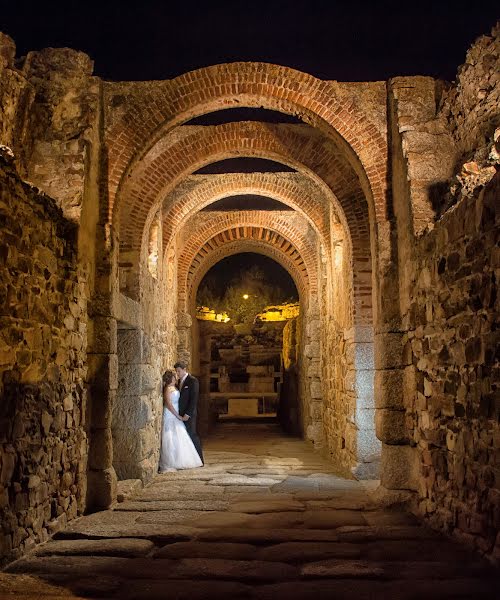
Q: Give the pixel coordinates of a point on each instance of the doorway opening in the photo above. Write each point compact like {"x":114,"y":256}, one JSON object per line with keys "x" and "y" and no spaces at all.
{"x":246,"y":321}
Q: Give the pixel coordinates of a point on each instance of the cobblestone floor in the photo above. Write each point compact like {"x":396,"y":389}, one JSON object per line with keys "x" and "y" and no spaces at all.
{"x":265,"y":518}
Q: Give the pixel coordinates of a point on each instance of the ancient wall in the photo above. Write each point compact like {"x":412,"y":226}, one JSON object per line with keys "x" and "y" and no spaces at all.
{"x":43,"y":442}
{"x":470,"y":107}
{"x":427,"y":245}
{"x":448,"y":423}
{"x":346,"y":374}
{"x":146,"y":347}
{"x":49,"y":103}
{"x":451,"y":393}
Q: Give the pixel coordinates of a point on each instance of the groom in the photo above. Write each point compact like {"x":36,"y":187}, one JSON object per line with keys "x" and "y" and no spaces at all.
{"x":188,"y":402}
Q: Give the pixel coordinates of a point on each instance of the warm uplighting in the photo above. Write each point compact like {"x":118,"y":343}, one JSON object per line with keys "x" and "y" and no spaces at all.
{"x":203,"y":313}
{"x":245,"y":296}
{"x":280,"y":312}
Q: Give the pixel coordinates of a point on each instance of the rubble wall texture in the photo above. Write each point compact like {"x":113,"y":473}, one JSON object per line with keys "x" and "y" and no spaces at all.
{"x":470,"y":107}
{"x":449,"y":312}
{"x":43,"y":444}
{"x":451,"y":398}
{"x":434,"y":262}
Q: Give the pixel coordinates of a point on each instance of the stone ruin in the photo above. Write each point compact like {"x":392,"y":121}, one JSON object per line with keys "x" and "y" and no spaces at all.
{"x":391,"y":236}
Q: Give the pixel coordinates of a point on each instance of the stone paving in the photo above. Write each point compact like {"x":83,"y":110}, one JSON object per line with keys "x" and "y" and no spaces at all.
{"x":266,"y":517}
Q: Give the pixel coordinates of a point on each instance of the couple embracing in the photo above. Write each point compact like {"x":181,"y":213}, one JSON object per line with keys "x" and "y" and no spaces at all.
{"x":180,"y":444}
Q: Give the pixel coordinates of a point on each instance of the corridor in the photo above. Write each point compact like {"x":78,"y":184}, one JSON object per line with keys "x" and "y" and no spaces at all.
{"x":267,"y":517}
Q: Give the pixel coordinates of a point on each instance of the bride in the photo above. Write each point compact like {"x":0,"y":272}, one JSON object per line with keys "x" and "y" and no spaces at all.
{"x":177,"y":449}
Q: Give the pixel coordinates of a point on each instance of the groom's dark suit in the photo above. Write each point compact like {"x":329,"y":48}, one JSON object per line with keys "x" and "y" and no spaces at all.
{"x":188,"y":405}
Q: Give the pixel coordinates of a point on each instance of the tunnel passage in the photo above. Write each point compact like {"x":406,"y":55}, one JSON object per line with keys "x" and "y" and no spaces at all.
{"x":247,"y":311}
{"x":381,"y":204}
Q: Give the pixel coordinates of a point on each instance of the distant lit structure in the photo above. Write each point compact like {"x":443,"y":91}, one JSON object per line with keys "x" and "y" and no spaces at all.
{"x":279,"y":312}
{"x":203,"y":313}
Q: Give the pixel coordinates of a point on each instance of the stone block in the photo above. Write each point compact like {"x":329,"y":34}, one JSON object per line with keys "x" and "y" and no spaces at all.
{"x":146,"y":349}
{"x":363,"y":386}
{"x":132,"y":412}
{"x":101,"y":488}
{"x":314,"y":368}
{"x":103,"y":370}
{"x":399,"y":467}
{"x":130,"y":346}
{"x":314,"y":432}
{"x":150,"y":379}
{"x":127,"y":488}
{"x":366,"y":470}
{"x":149,"y":440}
{"x":365,"y":418}
{"x":101,"y":449}
{"x":315,"y":389}
{"x":316,"y":410}
{"x":102,"y":403}
{"x":313,"y":329}
{"x":362,"y":334}
{"x":8,"y":463}
{"x":363,"y":356}
{"x":312,"y":350}
{"x":133,"y":446}
{"x":102,"y":335}
{"x":127,"y":310}
{"x":184,"y":320}
{"x":388,"y":350}
{"x":391,"y":426}
{"x":388,"y":386}
{"x":409,"y":386}
{"x":367,"y":445}
{"x":130,"y":379}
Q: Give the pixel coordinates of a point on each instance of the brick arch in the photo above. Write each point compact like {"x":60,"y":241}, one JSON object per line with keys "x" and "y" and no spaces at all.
{"x":292,"y":189}
{"x":230,"y":248}
{"x":296,"y":146}
{"x":279,"y":230}
{"x":163,"y":105}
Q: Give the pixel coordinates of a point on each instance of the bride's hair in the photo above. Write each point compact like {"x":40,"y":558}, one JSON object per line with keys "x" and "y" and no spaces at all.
{"x":167,"y":378}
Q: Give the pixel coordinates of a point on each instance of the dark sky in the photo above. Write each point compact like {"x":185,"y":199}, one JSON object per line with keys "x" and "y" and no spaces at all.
{"x":348,"y":41}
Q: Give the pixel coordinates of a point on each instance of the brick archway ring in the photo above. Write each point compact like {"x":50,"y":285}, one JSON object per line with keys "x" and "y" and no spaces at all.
{"x":292,"y":189}
{"x":209,"y":145}
{"x":263,"y":85}
{"x":240,"y":247}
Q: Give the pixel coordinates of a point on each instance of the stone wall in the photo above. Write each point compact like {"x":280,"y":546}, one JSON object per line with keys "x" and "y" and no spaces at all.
{"x":43,"y":443}
{"x":444,"y":437}
{"x":347,"y":371}
{"x":146,"y":347}
{"x":470,"y":107}
{"x":451,"y":382}
{"x":49,"y":103}
{"x":16,"y":99}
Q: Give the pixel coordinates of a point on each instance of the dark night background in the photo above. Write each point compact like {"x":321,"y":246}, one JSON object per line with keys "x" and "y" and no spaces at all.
{"x":347,"y":41}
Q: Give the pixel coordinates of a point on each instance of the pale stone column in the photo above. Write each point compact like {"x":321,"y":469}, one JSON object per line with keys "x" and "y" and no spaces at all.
{"x":184,"y":321}
{"x":368,"y":447}
{"x":103,"y":383}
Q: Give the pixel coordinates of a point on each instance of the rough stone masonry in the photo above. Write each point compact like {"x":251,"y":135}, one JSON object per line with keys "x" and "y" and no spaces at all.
{"x":390,"y":233}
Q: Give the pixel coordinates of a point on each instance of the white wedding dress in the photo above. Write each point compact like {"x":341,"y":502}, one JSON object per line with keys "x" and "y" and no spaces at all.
{"x":177,"y":449}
